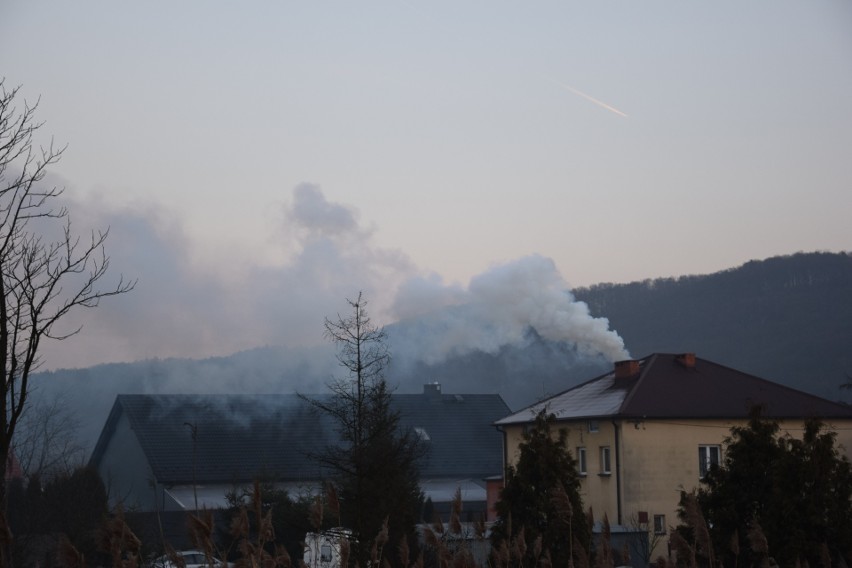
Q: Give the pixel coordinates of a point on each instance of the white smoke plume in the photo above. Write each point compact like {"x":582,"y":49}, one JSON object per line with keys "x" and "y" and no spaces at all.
{"x":184,"y":307}
{"x":499,"y":308}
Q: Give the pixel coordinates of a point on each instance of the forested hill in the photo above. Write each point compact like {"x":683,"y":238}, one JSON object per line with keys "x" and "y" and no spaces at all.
{"x":787,"y":319}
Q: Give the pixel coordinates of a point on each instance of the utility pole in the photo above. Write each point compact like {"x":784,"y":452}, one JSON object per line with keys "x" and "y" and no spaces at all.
{"x":193,"y":429}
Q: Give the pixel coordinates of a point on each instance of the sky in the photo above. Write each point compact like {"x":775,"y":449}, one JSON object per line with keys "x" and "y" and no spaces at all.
{"x":258,"y":162}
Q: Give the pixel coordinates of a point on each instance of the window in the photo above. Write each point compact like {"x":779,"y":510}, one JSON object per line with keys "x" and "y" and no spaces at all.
{"x":593,"y":426}
{"x":659,"y":524}
{"x":605,"y":469}
{"x":708,"y":457}
{"x":325,"y":553}
{"x":581,"y":460}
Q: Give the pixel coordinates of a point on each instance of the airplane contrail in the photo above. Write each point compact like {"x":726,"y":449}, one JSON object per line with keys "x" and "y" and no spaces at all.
{"x":587,"y":97}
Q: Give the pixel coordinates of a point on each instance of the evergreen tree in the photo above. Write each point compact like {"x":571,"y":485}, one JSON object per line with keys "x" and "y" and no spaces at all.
{"x":797,"y":491}
{"x":541,"y":500}
{"x":375,"y":470}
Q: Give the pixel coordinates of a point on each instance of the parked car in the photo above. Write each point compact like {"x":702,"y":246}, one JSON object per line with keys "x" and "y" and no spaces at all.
{"x":191,"y":559}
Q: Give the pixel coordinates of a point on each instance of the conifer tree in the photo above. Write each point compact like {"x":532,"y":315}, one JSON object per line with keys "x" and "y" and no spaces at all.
{"x":541,"y":499}
{"x":375,"y":468}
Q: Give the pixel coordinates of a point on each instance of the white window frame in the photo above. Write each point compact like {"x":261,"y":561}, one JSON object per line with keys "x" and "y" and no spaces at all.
{"x":605,"y":460}
{"x":581,"y":460}
{"x":709,"y":455}
{"x":659,"y":524}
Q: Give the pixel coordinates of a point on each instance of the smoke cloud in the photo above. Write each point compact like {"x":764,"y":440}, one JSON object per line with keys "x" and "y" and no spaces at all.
{"x":184,"y":307}
{"x":499,"y":308}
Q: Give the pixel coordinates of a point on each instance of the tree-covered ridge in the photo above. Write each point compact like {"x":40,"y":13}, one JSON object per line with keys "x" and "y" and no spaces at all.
{"x":787,"y":318}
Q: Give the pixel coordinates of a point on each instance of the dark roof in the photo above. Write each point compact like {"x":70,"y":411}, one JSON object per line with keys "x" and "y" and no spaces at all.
{"x":239,"y":437}
{"x":665,"y":387}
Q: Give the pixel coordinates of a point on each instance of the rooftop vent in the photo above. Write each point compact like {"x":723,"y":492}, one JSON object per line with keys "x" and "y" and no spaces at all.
{"x":686,"y":359}
{"x":626,"y":369}
{"x":432,"y":390}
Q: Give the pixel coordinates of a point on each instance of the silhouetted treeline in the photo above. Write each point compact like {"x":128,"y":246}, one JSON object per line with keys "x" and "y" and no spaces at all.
{"x":787,"y":319}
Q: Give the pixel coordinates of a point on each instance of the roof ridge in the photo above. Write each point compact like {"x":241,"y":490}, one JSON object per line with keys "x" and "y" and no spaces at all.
{"x":646,"y":363}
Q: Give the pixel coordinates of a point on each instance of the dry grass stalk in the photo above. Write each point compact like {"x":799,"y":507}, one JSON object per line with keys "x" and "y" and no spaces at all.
{"x":404,"y":552}
{"x":520,"y":545}
{"x":345,"y":550}
{"x":734,"y":545}
{"x":580,"y":555}
{"x":463,"y":559}
{"x":604,"y":556}
{"x":537,"y":545}
{"x":316,"y":513}
{"x":240,"y":524}
{"x":682,"y":549}
{"x":625,"y":554}
{"x":824,"y":556}
{"x":695,"y":520}
{"x":333,"y":501}
{"x":479,"y":528}
{"x":377,"y":551}
{"x":118,"y":541}
{"x":438,"y":525}
{"x":201,"y":528}
{"x":455,"y":516}
{"x":757,"y":540}
{"x":69,"y":556}
{"x":430,"y":537}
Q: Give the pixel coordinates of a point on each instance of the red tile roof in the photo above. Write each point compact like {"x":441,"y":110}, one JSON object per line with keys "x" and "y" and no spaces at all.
{"x":674,"y":386}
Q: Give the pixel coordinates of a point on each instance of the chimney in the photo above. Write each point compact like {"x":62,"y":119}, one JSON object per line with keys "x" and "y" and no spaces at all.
{"x":432,"y":391}
{"x":626,"y":369}
{"x":686,"y":359}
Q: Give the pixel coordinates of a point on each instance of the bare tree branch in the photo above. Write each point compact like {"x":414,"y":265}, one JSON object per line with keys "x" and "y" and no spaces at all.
{"x":45,"y":272}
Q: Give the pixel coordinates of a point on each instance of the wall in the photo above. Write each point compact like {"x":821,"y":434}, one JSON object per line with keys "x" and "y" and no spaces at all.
{"x":125,"y":471}
{"x":657,"y":459}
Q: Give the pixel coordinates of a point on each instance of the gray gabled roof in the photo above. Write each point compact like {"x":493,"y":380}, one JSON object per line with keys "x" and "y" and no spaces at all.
{"x":665,"y":387}
{"x":240,"y":437}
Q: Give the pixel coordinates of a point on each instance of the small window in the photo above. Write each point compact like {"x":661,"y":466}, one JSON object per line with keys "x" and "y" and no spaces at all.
{"x":581,"y":460}
{"x":659,"y":524}
{"x":708,"y":458}
{"x":593,"y":426}
{"x":325,"y":553}
{"x":605,"y":463}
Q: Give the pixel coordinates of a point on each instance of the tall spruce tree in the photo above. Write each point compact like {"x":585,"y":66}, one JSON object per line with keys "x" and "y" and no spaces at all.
{"x":541,"y":499}
{"x":375,"y":468}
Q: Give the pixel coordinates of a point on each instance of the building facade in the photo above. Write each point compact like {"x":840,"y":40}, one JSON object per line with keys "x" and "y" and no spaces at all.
{"x":652,"y":427}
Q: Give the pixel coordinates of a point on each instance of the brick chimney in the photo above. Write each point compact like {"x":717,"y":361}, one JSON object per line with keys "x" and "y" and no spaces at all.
{"x":686,"y":359}
{"x":626,"y":369}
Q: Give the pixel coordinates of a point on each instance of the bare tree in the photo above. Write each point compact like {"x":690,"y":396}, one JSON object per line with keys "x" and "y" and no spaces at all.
{"x":46,"y":441}
{"x":46,"y":272}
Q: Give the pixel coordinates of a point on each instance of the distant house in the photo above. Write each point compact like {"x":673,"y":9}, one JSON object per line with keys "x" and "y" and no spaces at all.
{"x":653,"y":426}
{"x":165,"y":452}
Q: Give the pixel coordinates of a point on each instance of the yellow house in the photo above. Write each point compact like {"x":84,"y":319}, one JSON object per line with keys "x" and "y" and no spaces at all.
{"x":651,"y":427}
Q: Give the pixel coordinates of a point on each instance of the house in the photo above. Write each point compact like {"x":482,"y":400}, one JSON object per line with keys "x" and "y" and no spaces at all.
{"x":182,"y":452}
{"x":651,"y":427}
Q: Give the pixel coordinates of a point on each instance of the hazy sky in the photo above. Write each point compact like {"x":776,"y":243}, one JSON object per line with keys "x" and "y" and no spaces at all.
{"x":620,"y":140}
